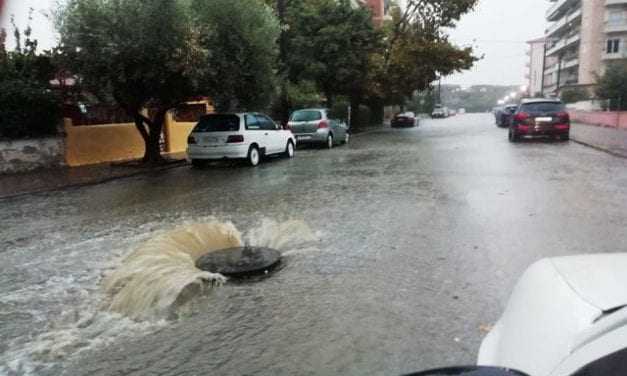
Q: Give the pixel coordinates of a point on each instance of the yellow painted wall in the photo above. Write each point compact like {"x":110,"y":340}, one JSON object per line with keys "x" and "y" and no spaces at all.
{"x":95,"y":144}
{"x":176,"y":135}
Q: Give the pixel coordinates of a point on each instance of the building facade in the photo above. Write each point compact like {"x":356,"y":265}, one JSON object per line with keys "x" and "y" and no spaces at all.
{"x":582,"y":38}
{"x":379,"y":9}
{"x":535,"y":66}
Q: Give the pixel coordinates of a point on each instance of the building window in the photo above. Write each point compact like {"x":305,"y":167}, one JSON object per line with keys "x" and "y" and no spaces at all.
{"x":615,"y":17}
{"x":613,"y":46}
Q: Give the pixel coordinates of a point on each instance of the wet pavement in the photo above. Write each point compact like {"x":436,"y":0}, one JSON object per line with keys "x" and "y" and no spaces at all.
{"x":421,"y":234}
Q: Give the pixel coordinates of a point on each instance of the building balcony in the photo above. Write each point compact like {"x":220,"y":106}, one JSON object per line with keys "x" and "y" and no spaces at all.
{"x":563,"y":44}
{"x":550,"y":69}
{"x":616,"y":27}
{"x":559,"y":9}
{"x":565,"y":23}
{"x":551,"y":88}
{"x":570,"y":63}
{"x":616,"y":56}
{"x":615,"y":2}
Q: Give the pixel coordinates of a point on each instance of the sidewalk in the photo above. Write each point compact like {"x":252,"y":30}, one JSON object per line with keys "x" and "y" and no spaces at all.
{"x":609,"y":140}
{"x":13,"y":185}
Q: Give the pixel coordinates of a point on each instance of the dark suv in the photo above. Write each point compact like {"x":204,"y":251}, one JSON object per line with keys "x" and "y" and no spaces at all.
{"x":540,"y":117}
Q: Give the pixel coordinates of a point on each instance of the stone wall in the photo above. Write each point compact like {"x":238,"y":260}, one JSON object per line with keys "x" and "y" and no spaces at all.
{"x":26,"y":155}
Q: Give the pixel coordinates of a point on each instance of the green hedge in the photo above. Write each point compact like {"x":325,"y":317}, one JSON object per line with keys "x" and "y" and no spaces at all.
{"x":27,"y":110}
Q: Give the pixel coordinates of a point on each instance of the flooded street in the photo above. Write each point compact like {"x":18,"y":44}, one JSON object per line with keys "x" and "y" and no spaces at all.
{"x":399,"y":250}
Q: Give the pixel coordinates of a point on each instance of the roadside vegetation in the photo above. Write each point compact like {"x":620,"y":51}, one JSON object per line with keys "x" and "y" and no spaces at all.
{"x":29,"y":107}
{"x":274,"y":56}
{"x":613,"y":86}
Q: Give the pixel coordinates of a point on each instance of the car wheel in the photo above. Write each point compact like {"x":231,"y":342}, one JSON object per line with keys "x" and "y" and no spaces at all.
{"x":565,"y":137}
{"x":346,"y":139}
{"x":289,"y":150}
{"x":199,"y":163}
{"x":254,"y":157}
{"x":330,"y":142}
{"x":513,"y":137}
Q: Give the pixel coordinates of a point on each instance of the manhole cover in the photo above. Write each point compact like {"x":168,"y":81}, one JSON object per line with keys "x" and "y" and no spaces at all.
{"x":240,"y":262}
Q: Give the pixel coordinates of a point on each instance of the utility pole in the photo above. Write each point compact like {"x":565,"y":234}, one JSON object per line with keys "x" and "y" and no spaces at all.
{"x":543,"y":69}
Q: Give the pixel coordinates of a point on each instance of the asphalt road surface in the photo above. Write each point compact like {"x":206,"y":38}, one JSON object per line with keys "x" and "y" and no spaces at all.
{"x":420,"y":236}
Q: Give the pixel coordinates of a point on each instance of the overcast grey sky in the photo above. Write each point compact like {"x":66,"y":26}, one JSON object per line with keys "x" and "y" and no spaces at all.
{"x":498,"y":28}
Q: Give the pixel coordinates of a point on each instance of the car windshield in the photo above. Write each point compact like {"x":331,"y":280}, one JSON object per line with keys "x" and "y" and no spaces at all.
{"x":306,"y":116}
{"x":218,"y":123}
{"x":542,"y":107}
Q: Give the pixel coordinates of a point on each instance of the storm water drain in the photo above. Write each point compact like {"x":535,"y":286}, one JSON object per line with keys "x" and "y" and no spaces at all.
{"x":240,"y":262}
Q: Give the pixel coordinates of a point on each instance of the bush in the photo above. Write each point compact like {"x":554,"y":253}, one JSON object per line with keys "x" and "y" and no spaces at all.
{"x":574,"y":95}
{"x":28,"y":110}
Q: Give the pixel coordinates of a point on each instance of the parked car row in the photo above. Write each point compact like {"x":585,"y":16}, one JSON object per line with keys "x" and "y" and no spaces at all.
{"x":537,"y":117}
{"x":251,"y":136}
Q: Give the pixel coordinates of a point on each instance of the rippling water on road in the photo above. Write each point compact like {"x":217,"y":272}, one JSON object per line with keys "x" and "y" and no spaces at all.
{"x":399,"y":248}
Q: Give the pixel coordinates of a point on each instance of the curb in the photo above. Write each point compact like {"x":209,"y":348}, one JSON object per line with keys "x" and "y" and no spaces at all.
{"x":169,"y":166}
{"x":598,"y":148}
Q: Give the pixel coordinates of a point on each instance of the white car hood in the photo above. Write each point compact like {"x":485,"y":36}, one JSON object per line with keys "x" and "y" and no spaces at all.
{"x":553,"y":310}
{"x":600,"y":280}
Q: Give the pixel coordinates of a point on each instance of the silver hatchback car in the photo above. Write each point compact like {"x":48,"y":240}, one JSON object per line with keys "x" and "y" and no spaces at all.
{"x":314,"y":126}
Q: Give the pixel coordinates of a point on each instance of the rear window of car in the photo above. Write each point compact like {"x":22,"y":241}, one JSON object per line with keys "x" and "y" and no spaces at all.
{"x":306,"y":116}
{"x":542,"y":107}
{"x":218,"y":123}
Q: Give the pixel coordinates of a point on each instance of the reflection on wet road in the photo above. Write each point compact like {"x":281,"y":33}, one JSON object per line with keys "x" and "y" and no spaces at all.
{"x":421,"y":234}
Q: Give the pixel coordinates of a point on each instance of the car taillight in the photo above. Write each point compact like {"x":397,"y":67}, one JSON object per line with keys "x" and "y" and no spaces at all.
{"x":563,"y":117}
{"x":323,"y":124}
{"x":521,"y":117}
{"x":235,"y":139}
{"x":191,"y":140}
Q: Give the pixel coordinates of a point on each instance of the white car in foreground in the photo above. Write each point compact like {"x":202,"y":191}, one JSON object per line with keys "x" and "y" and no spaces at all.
{"x":566,"y":316}
{"x":247,"y":136}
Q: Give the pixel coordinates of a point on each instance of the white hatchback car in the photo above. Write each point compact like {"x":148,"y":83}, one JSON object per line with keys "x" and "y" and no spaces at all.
{"x":248,"y":136}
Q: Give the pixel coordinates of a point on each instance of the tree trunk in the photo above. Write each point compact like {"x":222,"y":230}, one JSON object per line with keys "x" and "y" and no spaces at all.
{"x":355,"y":118}
{"x":150,"y":131}
{"x":377,"y":112}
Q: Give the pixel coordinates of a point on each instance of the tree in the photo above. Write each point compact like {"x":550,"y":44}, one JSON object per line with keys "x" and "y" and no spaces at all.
{"x":573,"y":95}
{"x":240,"y":40}
{"x":330,"y":43}
{"x":157,"y":54}
{"x":418,"y":51}
{"x":139,"y":54}
{"x":613,"y":86}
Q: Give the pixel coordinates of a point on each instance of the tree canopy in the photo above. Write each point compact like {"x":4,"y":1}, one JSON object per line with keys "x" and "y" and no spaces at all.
{"x":157,"y":54}
{"x":613,"y":85}
{"x":330,"y":43}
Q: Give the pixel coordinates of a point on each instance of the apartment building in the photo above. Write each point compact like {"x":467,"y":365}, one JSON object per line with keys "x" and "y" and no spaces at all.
{"x":535,"y":66}
{"x":582,"y":38}
{"x":379,"y":9}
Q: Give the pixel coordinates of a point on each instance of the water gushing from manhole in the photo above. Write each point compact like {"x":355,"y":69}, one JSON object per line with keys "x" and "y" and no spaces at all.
{"x":148,"y":283}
